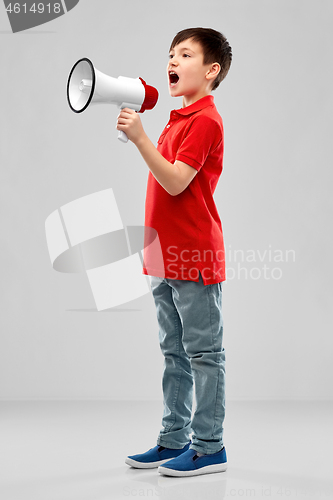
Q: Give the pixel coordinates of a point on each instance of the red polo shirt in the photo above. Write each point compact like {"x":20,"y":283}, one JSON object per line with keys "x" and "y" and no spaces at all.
{"x":188,"y":225}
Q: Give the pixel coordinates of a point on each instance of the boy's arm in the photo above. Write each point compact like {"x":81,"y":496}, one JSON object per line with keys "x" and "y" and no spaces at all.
{"x":174,"y":178}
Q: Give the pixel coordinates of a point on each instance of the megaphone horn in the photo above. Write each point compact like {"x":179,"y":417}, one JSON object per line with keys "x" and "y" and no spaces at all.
{"x":86,"y":85}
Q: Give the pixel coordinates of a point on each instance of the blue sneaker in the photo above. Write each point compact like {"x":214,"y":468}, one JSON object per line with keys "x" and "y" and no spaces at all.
{"x":191,"y":464}
{"x":154,"y":457}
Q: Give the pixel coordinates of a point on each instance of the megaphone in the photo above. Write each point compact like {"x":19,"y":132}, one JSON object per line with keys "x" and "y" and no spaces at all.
{"x":86,"y":85}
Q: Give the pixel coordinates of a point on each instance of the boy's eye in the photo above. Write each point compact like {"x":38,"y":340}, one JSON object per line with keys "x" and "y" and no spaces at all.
{"x":186,"y":55}
{"x":170,"y":56}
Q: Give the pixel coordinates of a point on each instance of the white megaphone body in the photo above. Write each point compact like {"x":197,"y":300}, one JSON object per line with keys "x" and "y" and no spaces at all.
{"x":86,"y":85}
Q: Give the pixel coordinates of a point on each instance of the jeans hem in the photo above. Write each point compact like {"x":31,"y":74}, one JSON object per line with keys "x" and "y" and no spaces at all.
{"x":200,"y":449}
{"x":170,"y":445}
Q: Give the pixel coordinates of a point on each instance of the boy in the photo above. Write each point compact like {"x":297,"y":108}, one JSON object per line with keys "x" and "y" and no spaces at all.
{"x":184,"y":171}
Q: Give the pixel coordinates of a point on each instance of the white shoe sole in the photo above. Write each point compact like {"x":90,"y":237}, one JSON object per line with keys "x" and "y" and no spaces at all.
{"x":209,"y":469}
{"x":143,"y":465}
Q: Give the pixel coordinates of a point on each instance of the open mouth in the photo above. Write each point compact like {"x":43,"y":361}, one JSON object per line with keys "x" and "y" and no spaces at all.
{"x":173,"y":78}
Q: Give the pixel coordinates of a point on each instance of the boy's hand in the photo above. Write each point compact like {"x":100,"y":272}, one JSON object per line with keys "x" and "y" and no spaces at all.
{"x":129,"y":122}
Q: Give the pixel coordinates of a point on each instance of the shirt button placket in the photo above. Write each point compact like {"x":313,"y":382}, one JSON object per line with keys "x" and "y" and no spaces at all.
{"x":173,"y":118}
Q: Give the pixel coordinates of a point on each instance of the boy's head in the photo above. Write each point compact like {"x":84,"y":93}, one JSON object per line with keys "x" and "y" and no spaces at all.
{"x":215,"y":47}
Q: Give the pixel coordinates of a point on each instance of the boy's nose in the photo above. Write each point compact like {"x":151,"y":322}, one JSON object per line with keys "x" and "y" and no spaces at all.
{"x":172,"y":63}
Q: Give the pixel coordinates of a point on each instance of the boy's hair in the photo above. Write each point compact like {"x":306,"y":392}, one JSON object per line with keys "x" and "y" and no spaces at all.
{"x":214,"y":45}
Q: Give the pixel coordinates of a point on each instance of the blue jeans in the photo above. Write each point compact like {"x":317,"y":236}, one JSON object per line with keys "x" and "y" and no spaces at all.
{"x":190,"y":323}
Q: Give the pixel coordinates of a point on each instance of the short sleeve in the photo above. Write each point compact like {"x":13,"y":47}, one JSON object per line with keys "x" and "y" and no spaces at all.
{"x":202,"y":137}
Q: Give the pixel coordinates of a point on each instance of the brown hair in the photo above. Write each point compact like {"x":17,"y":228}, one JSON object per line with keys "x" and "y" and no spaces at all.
{"x":214,"y":45}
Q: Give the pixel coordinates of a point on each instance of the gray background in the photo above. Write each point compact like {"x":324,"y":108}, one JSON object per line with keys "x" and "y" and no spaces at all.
{"x":274,"y":194}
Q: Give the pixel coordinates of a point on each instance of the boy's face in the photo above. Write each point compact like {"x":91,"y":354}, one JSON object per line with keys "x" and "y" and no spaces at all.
{"x":187,"y":73}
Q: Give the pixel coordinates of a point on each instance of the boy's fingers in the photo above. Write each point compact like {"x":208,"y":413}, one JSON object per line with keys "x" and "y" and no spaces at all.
{"x":122,"y":119}
{"x":120,"y":124}
{"x":128,"y":110}
{"x":124,"y":116}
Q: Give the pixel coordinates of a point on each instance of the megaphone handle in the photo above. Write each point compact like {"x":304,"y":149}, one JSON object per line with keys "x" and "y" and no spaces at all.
{"x":122,"y":136}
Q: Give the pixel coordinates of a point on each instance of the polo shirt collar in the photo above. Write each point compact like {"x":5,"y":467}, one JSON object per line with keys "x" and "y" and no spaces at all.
{"x":202,"y":103}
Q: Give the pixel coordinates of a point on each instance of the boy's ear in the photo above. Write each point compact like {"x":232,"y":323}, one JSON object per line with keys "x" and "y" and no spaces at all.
{"x":214,"y":70}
